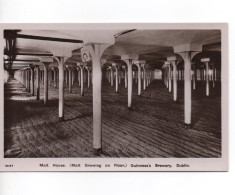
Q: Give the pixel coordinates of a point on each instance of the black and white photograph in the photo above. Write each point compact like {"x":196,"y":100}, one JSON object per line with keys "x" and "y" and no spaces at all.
{"x":114,"y":97}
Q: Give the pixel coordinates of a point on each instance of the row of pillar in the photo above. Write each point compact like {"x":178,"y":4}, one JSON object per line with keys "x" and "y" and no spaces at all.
{"x":141,"y":75}
{"x":94,"y":52}
{"x":196,"y":74}
{"x":33,"y":75}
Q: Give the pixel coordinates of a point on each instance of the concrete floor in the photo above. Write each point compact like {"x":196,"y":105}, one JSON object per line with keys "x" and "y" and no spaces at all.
{"x":154,"y":128}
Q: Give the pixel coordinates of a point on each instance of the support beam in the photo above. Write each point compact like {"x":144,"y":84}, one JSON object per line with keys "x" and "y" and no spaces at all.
{"x":172,"y":60}
{"x":187,"y":52}
{"x":29,"y":79}
{"x":144,"y":77}
{"x":129,"y":63}
{"x":125,"y":74}
{"x":139,"y":64}
{"x":73,"y":76}
{"x":194,"y":75}
{"x":187,"y":55}
{"x":111,"y":69}
{"x":79,"y":76}
{"x":206,"y":62}
{"x":139,"y":79}
{"x":38,"y":82}
{"x":119,"y":76}
{"x":95,"y":51}
{"x":32,"y":80}
{"x":116,"y":77}
{"x":88,"y":77}
{"x":70,"y":79}
{"x":55,"y":78}
{"x":45,"y":82}
{"x":82,"y":80}
{"x":61,"y":61}
{"x":187,"y":89}
{"x":169,"y":77}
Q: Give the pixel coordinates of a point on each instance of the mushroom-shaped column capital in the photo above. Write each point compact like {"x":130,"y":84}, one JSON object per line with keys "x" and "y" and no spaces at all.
{"x":139,"y":63}
{"x":81,"y":65}
{"x":87,"y":67}
{"x":124,"y":67}
{"x":93,"y":51}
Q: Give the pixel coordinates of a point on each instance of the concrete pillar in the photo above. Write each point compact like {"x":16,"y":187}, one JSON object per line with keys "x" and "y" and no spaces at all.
{"x":165,"y":76}
{"x":28,"y":80}
{"x":144,"y":77}
{"x":32,"y":81}
{"x":213,"y":76}
{"x":96,"y":51}
{"x":79,"y":76}
{"x":187,"y":89}
{"x":172,"y":60}
{"x":187,"y":52}
{"x":111,"y":76}
{"x":130,"y":81}
{"x":66,"y":76}
{"x":88,"y":77}
{"x":49,"y":77}
{"x":194,"y":76}
{"x":70,"y":79}
{"x":125,"y":75}
{"x":61,"y":61}
{"x":45,"y":82}
{"x":23,"y":77}
{"x":38,"y":74}
{"x":136,"y":75}
{"x":73,"y":77}
{"x":116,"y":77}
{"x":139,"y":79}
{"x":206,"y":61}
{"x":97,"y":102}
{"x":82,"y":80}
{"x":169,"y":77}
{"x":119,"y":76}
{"x":41,"y":76}
{"x":55,"y":78}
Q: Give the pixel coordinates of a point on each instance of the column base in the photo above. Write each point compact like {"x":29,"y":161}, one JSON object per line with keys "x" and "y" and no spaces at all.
{"x":187,"y":126}
{"x":61,"y":119}
{"x":97,"y":151}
